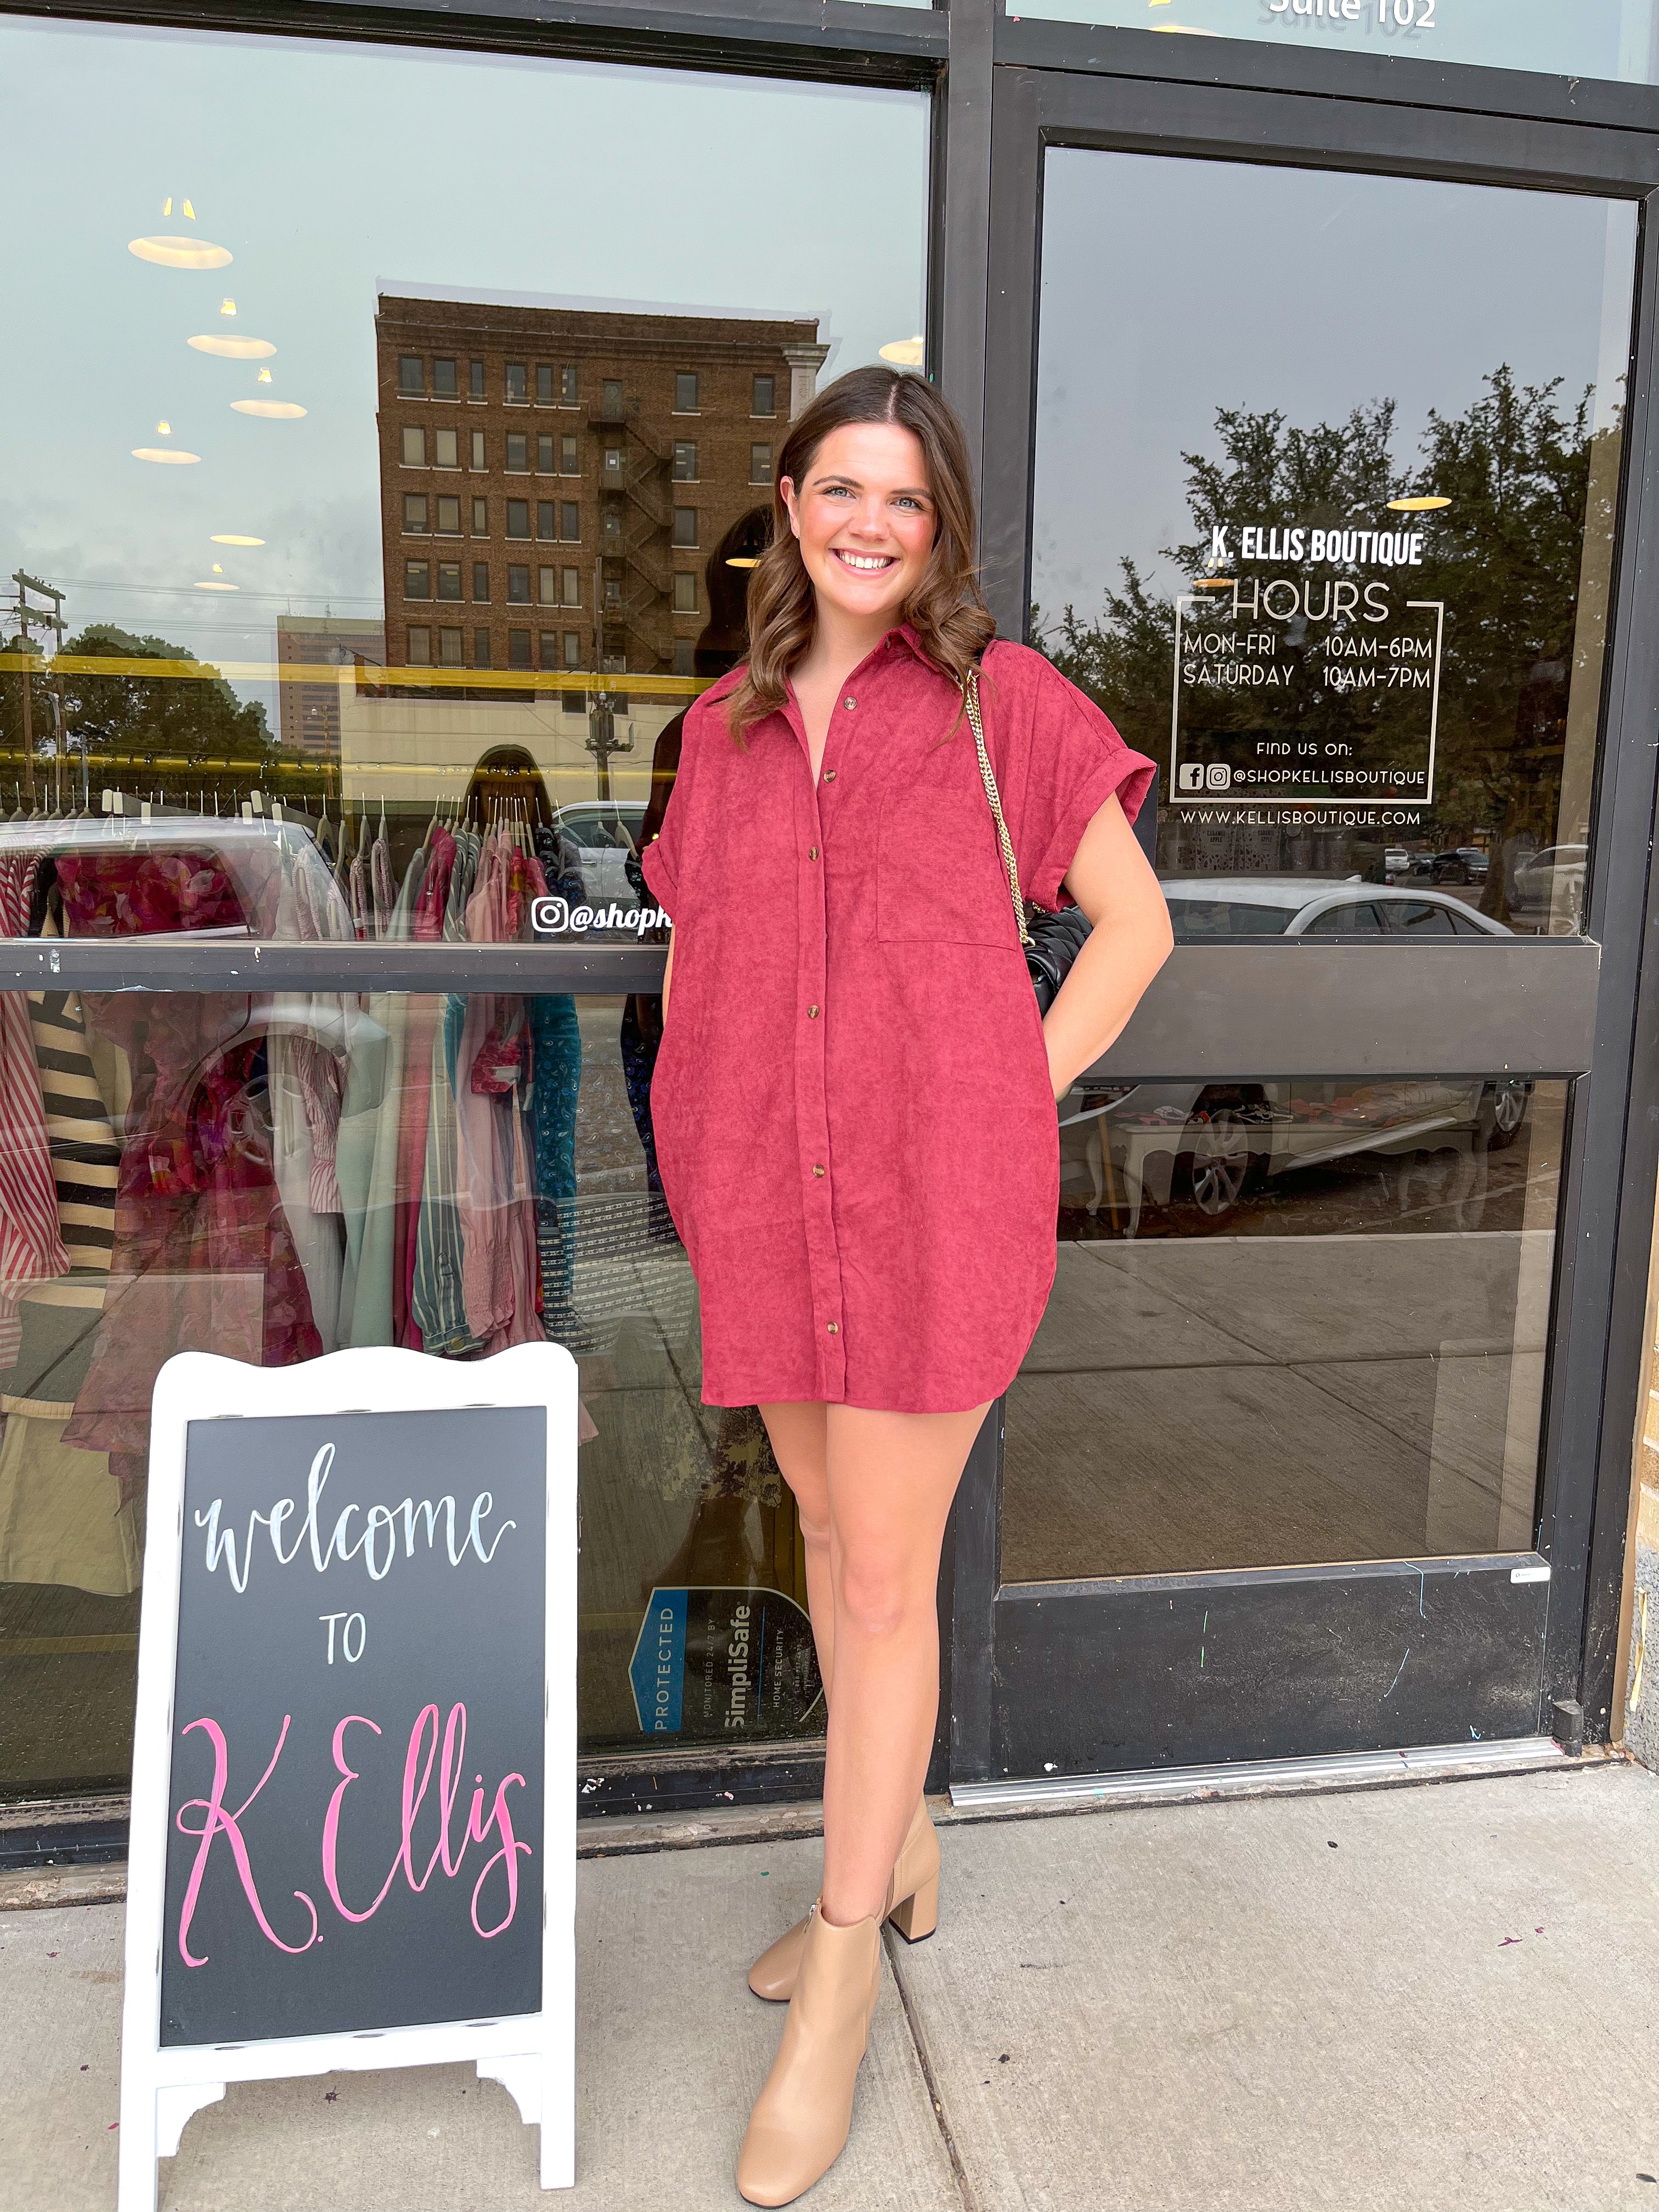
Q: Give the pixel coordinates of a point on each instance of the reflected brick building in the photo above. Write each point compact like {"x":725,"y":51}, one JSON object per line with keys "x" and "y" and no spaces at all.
{"x":308,"y":706}
{"x":554,"y":479}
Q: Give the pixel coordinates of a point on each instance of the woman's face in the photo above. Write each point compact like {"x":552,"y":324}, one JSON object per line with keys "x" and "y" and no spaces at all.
{"x":865,"y":519}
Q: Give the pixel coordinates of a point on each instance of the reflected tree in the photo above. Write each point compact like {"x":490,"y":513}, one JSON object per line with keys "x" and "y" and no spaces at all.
{"x":1529,"y":532}
{"x":169,"y":735}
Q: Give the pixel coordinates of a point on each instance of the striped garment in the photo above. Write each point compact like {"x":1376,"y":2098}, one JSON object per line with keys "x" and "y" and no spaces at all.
{"x":31,"y":1248}
{"x":86,"y":1159}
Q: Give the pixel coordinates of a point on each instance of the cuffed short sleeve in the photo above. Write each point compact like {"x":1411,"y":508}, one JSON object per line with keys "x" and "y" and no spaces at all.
{"x":1076,"y":762}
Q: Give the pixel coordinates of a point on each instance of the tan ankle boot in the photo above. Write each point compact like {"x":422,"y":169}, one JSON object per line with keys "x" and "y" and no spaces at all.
{"x":800,"y":2121}
{"x":912,"y":1905}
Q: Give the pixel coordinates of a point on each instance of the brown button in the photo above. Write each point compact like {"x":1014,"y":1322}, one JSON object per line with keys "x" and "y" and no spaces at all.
{"x":828,"y":775}
{"x":817,"y":1169}
{"x":834,"y":1329}
{"x":812,"y":1013}
{"x":851,"y":703}
{"x":812,"y":852}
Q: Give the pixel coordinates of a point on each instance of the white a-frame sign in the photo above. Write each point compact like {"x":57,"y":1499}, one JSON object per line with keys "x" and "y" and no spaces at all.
{"x":353,"y":1805}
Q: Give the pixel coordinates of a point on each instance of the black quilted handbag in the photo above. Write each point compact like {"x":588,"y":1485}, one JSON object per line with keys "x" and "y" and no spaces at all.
{"x":1052,"y":941}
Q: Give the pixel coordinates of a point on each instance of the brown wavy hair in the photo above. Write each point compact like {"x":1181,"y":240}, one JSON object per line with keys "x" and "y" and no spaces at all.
{"x":946,"y":609}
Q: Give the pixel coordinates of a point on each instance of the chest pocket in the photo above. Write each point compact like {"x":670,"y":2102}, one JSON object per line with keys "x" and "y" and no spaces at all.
{"x":939,"y":878}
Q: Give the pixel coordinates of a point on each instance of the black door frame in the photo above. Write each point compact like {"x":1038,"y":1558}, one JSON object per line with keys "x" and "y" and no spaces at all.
{"x":1029,"y":1662}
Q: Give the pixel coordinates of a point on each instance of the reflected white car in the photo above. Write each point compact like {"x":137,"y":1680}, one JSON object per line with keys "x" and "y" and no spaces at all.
{"x":1203,"y":909}
{"x":605,"y":833}
{"x":1206,"y":1145}
{"x":1547,"y":888}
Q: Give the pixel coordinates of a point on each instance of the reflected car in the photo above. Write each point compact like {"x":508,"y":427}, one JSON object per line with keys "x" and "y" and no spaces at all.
{"x":1206,"y":908}
{"x":605,"y":832}
{"x":1465,"y":864}
{"x":1548,"y":887}
{"x":267,"y":866}
{"x":1208,"y":1145}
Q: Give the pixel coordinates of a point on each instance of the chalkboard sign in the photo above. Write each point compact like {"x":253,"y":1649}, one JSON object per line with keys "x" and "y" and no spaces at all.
{"x":353,"y":1836}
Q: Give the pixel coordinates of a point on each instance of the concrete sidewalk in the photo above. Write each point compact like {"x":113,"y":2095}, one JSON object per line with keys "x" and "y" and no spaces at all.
{"x":1444,"y":1995}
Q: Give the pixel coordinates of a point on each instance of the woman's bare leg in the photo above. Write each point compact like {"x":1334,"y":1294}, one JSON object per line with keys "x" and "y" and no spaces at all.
{"x":798,"y":1434}
{"x":891,"y":1479}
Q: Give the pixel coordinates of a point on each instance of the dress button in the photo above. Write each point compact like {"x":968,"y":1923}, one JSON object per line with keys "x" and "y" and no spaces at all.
{"x":812,"y":852}
{"x":834,"y":1329}
{"x":812,"y":1013}
{"x":817,"y":1169}
{"x":828,"y":775}
{"x":850,"y":704}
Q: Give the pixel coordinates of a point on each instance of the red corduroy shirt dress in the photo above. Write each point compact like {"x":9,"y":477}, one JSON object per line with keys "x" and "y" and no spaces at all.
{"x":853,"y":1117}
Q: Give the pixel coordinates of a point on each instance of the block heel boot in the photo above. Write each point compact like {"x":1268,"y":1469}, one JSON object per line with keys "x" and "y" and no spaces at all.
{"x":912,"y":1906}
{"x":800,"y":2121}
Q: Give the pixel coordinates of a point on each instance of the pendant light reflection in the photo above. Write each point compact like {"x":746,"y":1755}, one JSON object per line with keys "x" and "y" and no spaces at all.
{"x":226,"y":306}
{"x":213,"y":584}
{"x":1426,"y":503}
{"x":229,"y":349}
{"x":273,"y":411}
{"x":742,"y":560}
{"x":234,"y":537}
{"x":175,"y":455}
{"x":179,"y":252}
{"x":904,"y":353}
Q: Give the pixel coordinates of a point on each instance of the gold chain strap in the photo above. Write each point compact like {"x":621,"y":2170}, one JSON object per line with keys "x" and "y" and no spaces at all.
{"x":971,"y":700}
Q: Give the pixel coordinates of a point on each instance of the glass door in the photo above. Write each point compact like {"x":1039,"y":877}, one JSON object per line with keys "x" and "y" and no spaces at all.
{"x":1322,"y":508}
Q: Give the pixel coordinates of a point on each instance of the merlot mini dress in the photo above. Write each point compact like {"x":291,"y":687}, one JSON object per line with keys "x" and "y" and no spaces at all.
{"x":854,"y":1118}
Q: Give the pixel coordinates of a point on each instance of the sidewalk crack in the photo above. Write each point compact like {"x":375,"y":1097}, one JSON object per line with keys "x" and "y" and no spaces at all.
{"x":918,"y":2045}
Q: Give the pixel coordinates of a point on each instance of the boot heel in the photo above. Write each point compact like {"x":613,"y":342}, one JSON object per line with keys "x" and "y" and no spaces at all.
{"x":917,"y":1916}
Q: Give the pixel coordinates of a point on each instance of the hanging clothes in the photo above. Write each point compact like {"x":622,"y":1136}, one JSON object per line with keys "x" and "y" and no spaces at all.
{"x":32,"y":1248}
{"x":437,"y":1295}
{"x":86,"y":1159}
{"x":306,"y":1035}
{"x":556,"y":1035}
{"x":494,"y":1190}
{"x":437,"y":862}
{"x":203,"y":1258}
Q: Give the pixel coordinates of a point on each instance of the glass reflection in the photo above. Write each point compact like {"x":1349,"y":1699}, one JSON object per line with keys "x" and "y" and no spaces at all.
{"x":1353,"y":581}
{"x":332,"y":541}
{"x":1293,"y":1322}
{"x":275,"y":1176}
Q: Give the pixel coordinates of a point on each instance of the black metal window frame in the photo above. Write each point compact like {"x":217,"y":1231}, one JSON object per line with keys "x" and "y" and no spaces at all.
{"x":988,"y":74}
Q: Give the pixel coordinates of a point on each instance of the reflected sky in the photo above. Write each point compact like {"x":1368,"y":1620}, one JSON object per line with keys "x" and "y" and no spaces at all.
{"x":331,"y":172}
{"x":1172,"y":288}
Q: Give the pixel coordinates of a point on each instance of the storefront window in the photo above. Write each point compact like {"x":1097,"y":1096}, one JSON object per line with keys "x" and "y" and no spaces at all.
{"x":1611,"y":39}
{"x":1294,"y":1322}
{"x":247,"y":691}
{"x":1325,"y":510}
{"x":275,"y":1177}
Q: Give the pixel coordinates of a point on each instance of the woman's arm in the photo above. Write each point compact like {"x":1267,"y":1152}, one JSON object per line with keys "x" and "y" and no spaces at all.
{"x":1129,"y":940}
{"x":668,"y":970}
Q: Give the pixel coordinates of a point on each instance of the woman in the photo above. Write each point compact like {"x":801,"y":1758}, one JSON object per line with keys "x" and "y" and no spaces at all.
{"x":854,"y":1106}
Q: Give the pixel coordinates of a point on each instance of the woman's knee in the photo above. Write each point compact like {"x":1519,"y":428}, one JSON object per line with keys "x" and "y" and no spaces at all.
{"x":876,"y":1597}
